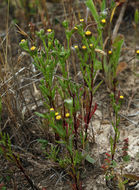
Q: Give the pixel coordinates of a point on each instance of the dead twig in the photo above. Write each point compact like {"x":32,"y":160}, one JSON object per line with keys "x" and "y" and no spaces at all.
{"x":119,"y":20}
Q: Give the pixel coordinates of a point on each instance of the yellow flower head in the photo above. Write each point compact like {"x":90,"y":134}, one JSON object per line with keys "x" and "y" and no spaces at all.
{"x":90,"y":45}
{"x":49,"y":43}
{"x":83,"y":47}
{"x":103,"y":21}
{"x":32,"y":48}
{"x":81,"y":20}
{"x":58,"y":117}
{"x":51,"y":109}
{"x":88,"y":33}
{"x":23,"y":40}
{"x":76,"y":47}
{"x":75,"y":28}
{"x":109,"y":52}
{"x":49,"y":30}
{"x":121,"y":97}
{"x":56,"y":113}
{"x":67,"y":115}
{"x":137,"y":52}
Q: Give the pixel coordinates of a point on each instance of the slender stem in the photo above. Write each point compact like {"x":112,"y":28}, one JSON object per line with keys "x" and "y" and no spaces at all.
{"x":23,"y":171}
{"x":88,"y":116}
{"x":75,"y":125}
{"x":115,"y":137}
{"x":90,"y":103}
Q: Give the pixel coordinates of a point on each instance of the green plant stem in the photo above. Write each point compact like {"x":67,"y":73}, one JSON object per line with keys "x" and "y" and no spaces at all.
{"x":75,"y":124}
{"x":75,"y":178}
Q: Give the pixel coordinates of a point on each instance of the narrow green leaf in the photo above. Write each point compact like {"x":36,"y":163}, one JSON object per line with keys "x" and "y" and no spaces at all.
{"x":97,"y":87}
{"x":41,"y":115}
{"x":91,"y":6}
{"x":136,"y":17}
{"x":103,"y":5}
{"x":90,"y":159}
{"x":118,"y":46}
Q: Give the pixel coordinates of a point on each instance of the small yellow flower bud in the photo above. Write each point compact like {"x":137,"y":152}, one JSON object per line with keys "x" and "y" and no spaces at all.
{"x":76,"y":47}
{"x":58,"y":117}
{"x":81,"y":20}
{"x":75,"y":28}
{"x":121,"y":97}
{"x":49,"y":43}
{"x":90,"y":45}
{"x":56,"y":113}
{"x":137,"y":52}
{"x":83,"y":47}
{"x":23,"y":40}
{"x":88,"y":33}
{"x":32,"y":48}
{"x":51,"y":109}
{"x":49,"y":30}
{"x":67,"y":115}
{"x":109,"y":52}
{"x":103,"y":21}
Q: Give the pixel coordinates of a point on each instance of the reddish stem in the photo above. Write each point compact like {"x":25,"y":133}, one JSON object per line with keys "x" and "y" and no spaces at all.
{"x":90,"y":103}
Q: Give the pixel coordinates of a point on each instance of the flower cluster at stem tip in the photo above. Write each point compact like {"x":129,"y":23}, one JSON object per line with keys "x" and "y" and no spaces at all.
{"x":90,"y":45}
{"x":49,"y":30}
{"x":83,"y":47}
{"x":121,"y":97}
{"x":88,"y":33}
{"x":76,"y":47}
{"x":103,"y":21}
{"x":67,"y":115}
{"x":109,"y":52}
{"x":75,"y":28}
{"x":81,"y":20}
{"x":56,"y":113}
{"x":23,"y":40}
{"x":137,"y":52}
{"x":107,"y":162}
{"x":125,"y":147}
{"x":58,"y":116}
{"x":32,"y":48}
